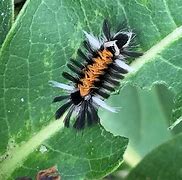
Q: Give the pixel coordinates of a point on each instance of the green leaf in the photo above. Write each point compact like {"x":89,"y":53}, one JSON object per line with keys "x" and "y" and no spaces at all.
{"x":161,"y":31}
{"x":6,"y":18}
{"x":155,"y":65}
{"x":144,"y":128}
{"x":43,"y":37}
{"x":176,"y":121}
{"x":162,"y":163}
{"x":92,"y":153}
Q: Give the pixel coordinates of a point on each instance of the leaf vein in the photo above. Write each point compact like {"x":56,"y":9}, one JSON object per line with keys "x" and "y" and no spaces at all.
{"x":169,"y":13}
{"x":169,"y":63}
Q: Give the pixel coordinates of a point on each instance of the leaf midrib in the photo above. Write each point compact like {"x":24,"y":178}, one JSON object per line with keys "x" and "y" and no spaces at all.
{"x":156,"y":49}
{"x":20,"y":154}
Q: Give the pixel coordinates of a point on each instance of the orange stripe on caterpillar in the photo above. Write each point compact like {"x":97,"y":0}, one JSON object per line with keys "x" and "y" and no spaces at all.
{"x":93,"y":71}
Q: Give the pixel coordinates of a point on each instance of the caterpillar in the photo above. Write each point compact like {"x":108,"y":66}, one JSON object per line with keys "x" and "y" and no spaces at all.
{"x":95,"y":78}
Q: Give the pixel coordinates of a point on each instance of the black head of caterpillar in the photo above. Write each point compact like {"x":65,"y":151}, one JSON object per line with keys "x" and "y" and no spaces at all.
{"x":94,"y":78}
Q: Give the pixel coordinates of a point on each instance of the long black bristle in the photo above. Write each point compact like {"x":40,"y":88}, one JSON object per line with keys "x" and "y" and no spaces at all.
{"x":60,"y":98}
{"x":94,"y":116}
{"x":88,"y":47}
{"x":68,"y":116}
{"x":112,"y":81}
{"x":106,"y":29}
{"x":75,"y":69}
{"x":119,"y":69}
{"x":116,"y":75}
{"x":80,"y":121}
{"x":83,"y":56}
{"x":132,"y":53}
{"x":109,"y":88}
{"x":77,"y":63}
{"x":89,"y":117}
{"x":105,"y":95}
{"x":62,"y":109}
{"x":70,"y":77}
